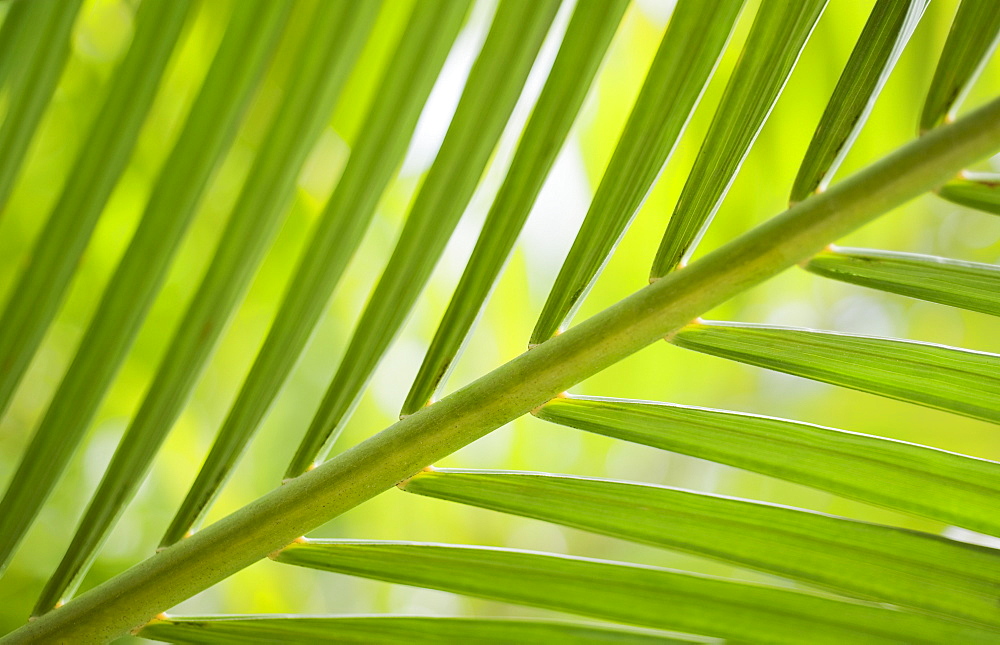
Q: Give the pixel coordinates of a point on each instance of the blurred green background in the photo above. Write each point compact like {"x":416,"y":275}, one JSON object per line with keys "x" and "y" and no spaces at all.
{"x":661,"y":372}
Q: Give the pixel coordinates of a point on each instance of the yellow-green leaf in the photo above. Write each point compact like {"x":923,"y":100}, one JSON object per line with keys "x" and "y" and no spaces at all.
{"x":38,"y":45}
{"x":688,"y":55}
{"x":634,"y":594}
{"x":916,"y":479}
{"x":38,"y":294}
{"x":973,"y":37}
{"x":494,"y":84}
{"x":974,"y":189}
{"x":889,"y":27}
{"x":389,"y":630}
{"x":948,"y":378}
{"x":588,"y":36}
{"x":377,"y":153}
{"x":777,"y":37}
{"x":341,"y":27}
{"x":855,"y":558}
{"x":969,"y":285}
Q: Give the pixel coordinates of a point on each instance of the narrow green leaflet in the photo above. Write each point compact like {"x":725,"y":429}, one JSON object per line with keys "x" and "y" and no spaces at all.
{"x":591,"y":28}
{"x":388,"y":630}
{"x":18,"y":38}
{"x":207,"y":133}
{"x":948,"y":378}
{"x":37,"y":296}
{"x":856,"y":558}
{"x":687,"y":57}
{"x":41,"y":21}
{"x":889,"y":27}
{"x":633,"y":594}
{"x":777,"y":37}
{"x":975,"y":190}
{"x":13,"y":33}
{"x":969,"y":285}
{"x":491,"y":91}
{"x":51,"y":265}
{"x":377,"y":153}
{"x":973,"y":37}
{"x":925,"y":481}
{"x":313,"y":88}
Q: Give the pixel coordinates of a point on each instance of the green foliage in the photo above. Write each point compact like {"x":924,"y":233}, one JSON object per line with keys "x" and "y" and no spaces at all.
{"x":124,"y":303}
{"x":35,"y":42}
{"x":207,"y":133}
{"x":973,"y":37}
{"x":879,"y":46}
{"x":975,"y":190}
{"x":948,"y":378}
{"x":637,"y":595}
{"x":386,"y":629}
{"x":494,"y":84}
{"x":593,"y":24}
{"x":777,"y":37}
{"x":216,"y":185}
{"x":969,"y":285}
{"x":688,"y":54}
{"x":898,"y":475}
{"x":861,"y":560}
{"x":313,"y":86}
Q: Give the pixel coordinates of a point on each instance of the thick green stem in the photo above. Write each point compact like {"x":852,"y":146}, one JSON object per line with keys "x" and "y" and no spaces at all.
{"x":271,"y":522}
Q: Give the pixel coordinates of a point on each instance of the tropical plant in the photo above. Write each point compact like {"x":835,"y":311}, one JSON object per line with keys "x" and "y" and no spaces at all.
{"x":829,"y":578}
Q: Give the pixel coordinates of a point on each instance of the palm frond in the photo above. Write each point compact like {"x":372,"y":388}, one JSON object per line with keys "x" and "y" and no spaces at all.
{"x":593,"y":24}
{"x":140,"y":272}
{"x":973,"y":37}
{"x":688,"y":54}
{"x":948,"y":378}
{"x":637,"y":595}
{"x":404,"y":88}
{"x":975,"y":190}
{"x":854,"y":558}
{"x":776,"y":40}
{"x":879,"y":46}
{"x":494,"y":84}
{"x":898,"y":475}
{"x":207,"y":134}
{"x":37,"y":33}
{"x":364,"y":630}
{"x":970,"y":285}
{"x":829,"y":579}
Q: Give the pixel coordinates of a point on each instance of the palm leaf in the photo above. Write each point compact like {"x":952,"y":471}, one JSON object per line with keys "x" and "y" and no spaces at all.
{"x":857,"y":559}
{"x":13,"y":32}
{"x":314,"y":87}
{"x":688,"y":54}
{"x":494,"y":84}
{"x":973,"y":37}
{"x":593,"y":24}
{"x":404,"y":87}
{"x":388,"y":630}
{"x":948,"y":378}
{"x":975,"y":190}
{"x":306,"y":502}
{"x":39,"y":291}
{"x":36,"y":32}
{"x":779,"y":32}
{"x":969,"y":285}
{"x":632,"y":594}
{"x":886,"y":33}
{"x":908,"y":587}
{"x":903,"y":476}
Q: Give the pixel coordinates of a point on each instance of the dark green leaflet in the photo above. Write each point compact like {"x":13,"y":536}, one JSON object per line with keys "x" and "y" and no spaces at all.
{"x":402,"y":92}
